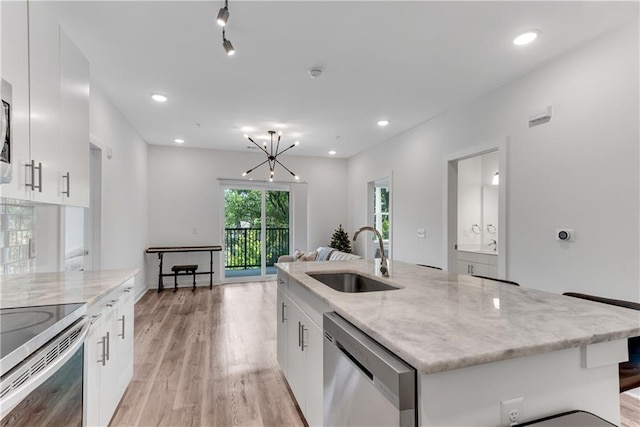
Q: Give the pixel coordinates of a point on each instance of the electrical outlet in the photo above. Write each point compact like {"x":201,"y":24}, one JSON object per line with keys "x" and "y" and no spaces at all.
{"x":512,"y":411}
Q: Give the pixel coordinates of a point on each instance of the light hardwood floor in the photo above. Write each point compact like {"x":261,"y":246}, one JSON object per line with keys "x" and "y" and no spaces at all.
{"x":209,"y":359}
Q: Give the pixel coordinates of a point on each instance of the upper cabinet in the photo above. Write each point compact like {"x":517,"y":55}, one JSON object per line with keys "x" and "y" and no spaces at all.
{"x":15,"y":99}
{"x":56,"y":169}
{"x":74,"y":131}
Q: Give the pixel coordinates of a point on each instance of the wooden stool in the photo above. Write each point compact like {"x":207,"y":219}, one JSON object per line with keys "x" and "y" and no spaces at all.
{"x":188,"y":269}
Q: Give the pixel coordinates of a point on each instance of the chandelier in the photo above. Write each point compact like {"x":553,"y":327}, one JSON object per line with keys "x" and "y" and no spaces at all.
{"x":272,"y":152}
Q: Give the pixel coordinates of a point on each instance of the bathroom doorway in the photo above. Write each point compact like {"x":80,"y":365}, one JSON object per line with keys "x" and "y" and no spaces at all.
{"x":476,"y":183}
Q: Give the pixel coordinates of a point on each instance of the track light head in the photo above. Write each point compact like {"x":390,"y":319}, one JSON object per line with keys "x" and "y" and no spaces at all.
{"x":223,"y":16}
{"x":228,"y":47}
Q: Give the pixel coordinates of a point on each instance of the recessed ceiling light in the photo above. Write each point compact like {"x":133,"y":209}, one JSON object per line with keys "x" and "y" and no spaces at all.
{"x":178,"y":141}
{"x":526,"y":37}
{"x":159,"y":97}
{"x":332,"y":152}
{"x":383,"y":122}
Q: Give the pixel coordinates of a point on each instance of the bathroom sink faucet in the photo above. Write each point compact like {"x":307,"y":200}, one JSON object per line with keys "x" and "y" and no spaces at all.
{"x":384,"y":263}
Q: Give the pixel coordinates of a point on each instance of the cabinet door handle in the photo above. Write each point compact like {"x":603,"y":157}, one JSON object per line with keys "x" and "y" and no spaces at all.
{"x":123,"y":323}
{"x":103,"y":359}
{"x":302,"y":345}
{"x":282,"y":316}
{"x":33,"y":168}
{"x":108,"y":345}
{"x":113,"y":302}
{"x":68,"y":177}
{"x":39,"y":186}
{"x":299,"y":334}
{"x":471,"y":269}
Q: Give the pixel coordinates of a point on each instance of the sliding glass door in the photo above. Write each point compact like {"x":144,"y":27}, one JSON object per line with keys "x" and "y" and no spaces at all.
{"x":257,"y":230}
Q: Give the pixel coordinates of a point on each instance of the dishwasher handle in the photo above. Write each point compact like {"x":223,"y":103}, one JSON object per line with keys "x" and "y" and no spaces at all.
{"x":355,"y":361}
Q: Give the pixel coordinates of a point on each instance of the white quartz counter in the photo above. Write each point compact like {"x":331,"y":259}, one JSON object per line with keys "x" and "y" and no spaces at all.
{"x":60,"y":288}
{"x":441,"y":321}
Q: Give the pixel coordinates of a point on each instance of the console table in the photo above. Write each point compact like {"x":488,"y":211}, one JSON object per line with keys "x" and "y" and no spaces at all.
{"x":161,"y":250}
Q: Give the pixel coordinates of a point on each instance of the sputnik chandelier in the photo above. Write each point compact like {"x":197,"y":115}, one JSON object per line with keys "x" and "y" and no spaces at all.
{"x":222,"y":19}
{"x":272,"y":152}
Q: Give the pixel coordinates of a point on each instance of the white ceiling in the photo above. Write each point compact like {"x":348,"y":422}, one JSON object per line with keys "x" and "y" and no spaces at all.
{"x":404,"y":61}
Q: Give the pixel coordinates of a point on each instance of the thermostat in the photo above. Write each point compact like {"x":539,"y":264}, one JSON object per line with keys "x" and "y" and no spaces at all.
{"x":564,"y":234}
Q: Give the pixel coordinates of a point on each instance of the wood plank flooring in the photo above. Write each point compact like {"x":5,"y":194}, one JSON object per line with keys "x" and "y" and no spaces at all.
{"x":629,"y":411}
{"x":209,"y":359}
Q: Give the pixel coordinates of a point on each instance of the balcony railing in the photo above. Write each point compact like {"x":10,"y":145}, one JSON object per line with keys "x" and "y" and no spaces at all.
{"x":243,"y":245}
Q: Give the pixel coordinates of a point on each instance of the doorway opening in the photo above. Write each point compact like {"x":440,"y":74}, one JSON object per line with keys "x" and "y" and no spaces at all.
{"x":380,"y":217}
{"x":82,"y":229}
{"x":476,"y":212}
{"x":257,"y":224}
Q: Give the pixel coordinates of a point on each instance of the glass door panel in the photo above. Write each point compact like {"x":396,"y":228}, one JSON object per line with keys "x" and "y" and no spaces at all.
{"x":277,"y":227}
{"x":243,"y":227}
{"x":249,"y":215}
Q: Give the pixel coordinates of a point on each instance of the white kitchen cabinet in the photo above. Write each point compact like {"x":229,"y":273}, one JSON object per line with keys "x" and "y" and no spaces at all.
{"x":314,"y":385}
{"x":15,"y":91}
{"x":48,"y":80}
{"x":477,"y":263}
{"x":74,"y":127}
{"x":300,"y":342}
{"x":44,"y":80}
{"x":109,"y":355}
{"x":283,"y":305}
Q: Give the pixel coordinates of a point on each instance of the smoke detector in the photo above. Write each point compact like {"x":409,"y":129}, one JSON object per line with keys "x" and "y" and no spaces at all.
{"x":315,"y":72}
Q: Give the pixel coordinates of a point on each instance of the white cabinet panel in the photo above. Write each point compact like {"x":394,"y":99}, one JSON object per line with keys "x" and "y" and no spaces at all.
{"x":283,"y":323}
{"x":44,"y":71}
{"x":74,"y":126}
{"x":296,"y":371}
{"x":313,"y":338}
{"x":15,"y":91}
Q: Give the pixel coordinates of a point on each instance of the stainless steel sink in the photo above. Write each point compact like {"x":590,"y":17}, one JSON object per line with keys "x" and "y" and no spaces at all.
{"x":351,"y":282}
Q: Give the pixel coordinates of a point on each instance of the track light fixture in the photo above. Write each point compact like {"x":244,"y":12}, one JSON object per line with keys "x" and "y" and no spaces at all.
{"x":272,"y":155}
{"x":223,"y":15}
{"x":223,"y":18}
{"x":226,"y":44}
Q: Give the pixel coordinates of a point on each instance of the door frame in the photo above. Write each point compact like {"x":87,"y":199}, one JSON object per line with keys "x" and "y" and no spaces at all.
{"x":450,"y":203}
{"x":371,"y":246}
{"x":263,"y":187}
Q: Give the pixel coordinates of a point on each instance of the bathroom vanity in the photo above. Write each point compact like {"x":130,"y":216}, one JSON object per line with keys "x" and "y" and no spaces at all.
{"x":477,"y":345}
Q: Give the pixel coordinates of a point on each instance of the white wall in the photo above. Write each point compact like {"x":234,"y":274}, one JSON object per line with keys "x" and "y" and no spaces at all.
{"x":124,"y":188}
{"x":184,"y":193}
{"x":579,"y":170}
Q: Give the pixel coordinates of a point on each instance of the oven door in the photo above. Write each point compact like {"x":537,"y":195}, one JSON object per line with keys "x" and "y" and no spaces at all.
{"x":46,"y":389}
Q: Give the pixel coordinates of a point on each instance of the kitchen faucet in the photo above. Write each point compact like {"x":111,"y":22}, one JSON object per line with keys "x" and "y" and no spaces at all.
{"x":384,"y":262}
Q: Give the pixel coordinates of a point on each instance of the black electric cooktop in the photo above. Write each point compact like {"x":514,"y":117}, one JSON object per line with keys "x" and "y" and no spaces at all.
{"x":25,"y":329}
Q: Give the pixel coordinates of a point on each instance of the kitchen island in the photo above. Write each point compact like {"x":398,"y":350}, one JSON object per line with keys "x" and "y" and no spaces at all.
{"x":476,"y":343}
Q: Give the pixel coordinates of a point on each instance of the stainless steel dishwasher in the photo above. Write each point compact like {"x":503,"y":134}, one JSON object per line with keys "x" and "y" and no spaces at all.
{"x":364,"y":383}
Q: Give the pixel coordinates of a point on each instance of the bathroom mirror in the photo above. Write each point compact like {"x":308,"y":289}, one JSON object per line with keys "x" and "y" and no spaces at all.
{"x":477,"y":210}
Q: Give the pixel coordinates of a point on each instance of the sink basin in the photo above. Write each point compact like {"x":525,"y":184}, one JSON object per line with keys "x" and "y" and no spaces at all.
{"x":351,"y":282}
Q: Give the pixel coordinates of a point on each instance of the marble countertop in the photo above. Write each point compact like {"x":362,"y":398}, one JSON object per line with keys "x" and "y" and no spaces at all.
{"x":440,"y":321}
{"x":26,"y":290}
